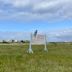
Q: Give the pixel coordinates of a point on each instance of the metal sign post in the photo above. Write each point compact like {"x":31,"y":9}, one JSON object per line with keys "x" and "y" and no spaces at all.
{"x":30,"y":45}
{"x":45,"y":49}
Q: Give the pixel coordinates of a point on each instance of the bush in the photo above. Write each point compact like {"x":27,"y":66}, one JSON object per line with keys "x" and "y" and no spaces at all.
{"x":4,"y":41}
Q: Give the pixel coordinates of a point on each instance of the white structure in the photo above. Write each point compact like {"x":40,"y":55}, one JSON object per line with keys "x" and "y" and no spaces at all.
{"x":37,"y":40}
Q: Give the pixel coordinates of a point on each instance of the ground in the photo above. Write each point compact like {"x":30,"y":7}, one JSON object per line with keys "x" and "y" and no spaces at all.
{"x":14,"y":58}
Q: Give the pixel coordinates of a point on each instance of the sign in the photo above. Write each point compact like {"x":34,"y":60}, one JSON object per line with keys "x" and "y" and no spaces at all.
{"x":38,"y":39}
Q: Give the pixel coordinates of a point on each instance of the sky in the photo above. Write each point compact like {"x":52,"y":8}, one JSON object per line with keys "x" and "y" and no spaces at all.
{"x":18,"y":26}
{"x":48,"y":16}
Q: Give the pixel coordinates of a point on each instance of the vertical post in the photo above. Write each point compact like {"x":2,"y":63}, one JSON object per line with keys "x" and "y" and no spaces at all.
{"x":45,"y":48}
{"x":30,"y":46}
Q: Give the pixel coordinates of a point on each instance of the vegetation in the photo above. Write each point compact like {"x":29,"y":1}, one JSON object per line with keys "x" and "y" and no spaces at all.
{"x":14,"y":58}
{"x":15,"y":41}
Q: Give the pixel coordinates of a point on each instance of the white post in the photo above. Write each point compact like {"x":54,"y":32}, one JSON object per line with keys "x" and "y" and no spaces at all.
{"x":45,"y":48}
{"x":30,"y":46}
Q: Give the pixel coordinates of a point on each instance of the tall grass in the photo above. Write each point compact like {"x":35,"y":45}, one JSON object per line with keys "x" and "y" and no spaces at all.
{"x":14,"y":58}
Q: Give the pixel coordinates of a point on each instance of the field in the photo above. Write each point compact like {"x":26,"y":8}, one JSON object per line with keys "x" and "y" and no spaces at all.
{"x":14,"y":58}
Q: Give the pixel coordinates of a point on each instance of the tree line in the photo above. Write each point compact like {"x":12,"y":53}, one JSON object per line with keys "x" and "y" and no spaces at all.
{"x":15,"y":41}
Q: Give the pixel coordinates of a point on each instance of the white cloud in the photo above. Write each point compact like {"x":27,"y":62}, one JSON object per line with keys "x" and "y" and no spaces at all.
{"x":20,"y":3}
{"x":62,"y":35}
{"x":36,"y":9}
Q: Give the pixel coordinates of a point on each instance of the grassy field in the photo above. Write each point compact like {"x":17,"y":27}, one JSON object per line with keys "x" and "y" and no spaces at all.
{"x":14,"y":58}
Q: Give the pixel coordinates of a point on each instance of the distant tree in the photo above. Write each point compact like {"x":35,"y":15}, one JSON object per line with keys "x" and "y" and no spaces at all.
{"x":22,"y":41}
{"x":13,"y":41}
{"x":4,"y":41}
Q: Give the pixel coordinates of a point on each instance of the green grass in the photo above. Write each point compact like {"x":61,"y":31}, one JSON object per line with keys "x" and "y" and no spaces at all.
{"x":14,"y":58}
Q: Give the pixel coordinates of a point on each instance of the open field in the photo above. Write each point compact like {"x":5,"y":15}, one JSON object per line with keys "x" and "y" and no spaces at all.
{"x":14,"y":58}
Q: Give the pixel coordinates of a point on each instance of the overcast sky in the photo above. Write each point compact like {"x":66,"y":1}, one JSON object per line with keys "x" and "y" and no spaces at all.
{"x":28,"y":15}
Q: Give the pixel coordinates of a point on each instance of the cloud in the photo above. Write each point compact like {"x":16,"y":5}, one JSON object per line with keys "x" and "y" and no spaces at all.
{"x":36,"y":9}
{"x":60,"y":35}
{"x":54,"y":36}
{"x":14,"y":35}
